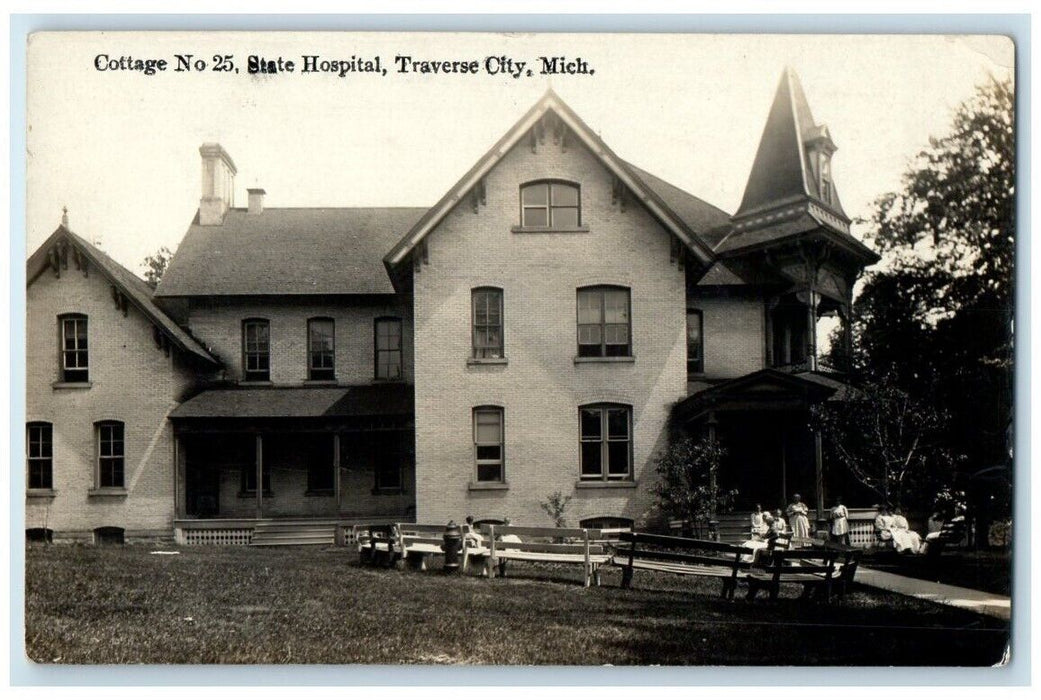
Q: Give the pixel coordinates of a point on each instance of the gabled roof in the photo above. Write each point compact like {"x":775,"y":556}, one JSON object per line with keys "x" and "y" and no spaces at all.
{"x":288,"y":252}
{"x":629,"y":176}
{"x":781,"y":171}
{"x":709,"y":222}
{"x":133,"y":288}
{"x":765,"y":389}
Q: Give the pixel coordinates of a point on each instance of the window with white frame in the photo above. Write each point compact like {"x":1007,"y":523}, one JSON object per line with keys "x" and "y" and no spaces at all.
{"x":111,"y":455}
{"x":604,"y":323}
{"x":321,"y":349}
{"x":39,"y":456}
{"x":606,"y":442}
{"x":486,"y":305}
{"x":488,"y":444}
{"x":74,"y":354}
{"x":550,"y":204}
{"x":388,"y":348}
{"x":256,"y":350}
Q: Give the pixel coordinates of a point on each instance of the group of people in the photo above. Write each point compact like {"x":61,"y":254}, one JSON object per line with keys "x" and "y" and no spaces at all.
{"x":767,"y":525}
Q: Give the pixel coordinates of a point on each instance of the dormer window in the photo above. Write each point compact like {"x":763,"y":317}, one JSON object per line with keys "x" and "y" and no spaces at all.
{"x":550,"y":205}
{"x":825,"y":177}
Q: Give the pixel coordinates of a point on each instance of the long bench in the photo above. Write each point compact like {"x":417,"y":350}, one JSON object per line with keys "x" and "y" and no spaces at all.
{"x":682,"y":555}
{"x":417,"y":543}
{"x":952,"y":532}
{"x":545,"y":544}
{"x":818,"y":571}
{"x":377,"y":544}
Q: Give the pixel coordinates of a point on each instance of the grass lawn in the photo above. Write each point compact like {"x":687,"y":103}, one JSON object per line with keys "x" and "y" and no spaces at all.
{"x":115,"y":605}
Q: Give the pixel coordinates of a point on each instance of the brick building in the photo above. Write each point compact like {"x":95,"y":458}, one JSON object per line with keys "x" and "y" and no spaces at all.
{"x":543,"y":328}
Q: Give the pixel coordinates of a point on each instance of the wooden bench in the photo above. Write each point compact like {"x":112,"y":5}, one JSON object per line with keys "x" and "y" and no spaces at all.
{"x":545,"y":544}
{"x":814,"y":569}
{"x":377,"y":544}
{"x":417,"y":543}
{"x":682,"y":555}
{"x":952,"y":532}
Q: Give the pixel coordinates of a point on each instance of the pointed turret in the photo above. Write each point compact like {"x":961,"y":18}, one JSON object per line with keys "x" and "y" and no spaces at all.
{"x":793,"y":163}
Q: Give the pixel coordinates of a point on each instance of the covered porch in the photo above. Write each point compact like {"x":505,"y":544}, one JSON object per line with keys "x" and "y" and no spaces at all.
{"x":762,"y":421}
{"x":333,"y":454}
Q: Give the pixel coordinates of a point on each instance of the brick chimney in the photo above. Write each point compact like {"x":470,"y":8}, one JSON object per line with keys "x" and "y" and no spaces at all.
{"x":256,"y":200}
{"x":218,"y":184}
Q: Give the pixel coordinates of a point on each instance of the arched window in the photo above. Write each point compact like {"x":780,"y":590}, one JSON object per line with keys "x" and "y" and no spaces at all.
{"x":550,"y":204}
{"x":256,"y":350}
{"x":109,"y":535}
{"x":604,"y":322}
{"x":75,"y":360}
{"x":39,"y":535}
{"x":39,"y":455}
{"x":605,"y":442}
{"x":321,"y":348}
{"x":486,"y":315}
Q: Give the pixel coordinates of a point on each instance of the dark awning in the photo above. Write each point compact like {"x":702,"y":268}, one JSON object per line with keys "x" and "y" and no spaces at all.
{"x":299,"y":402}
{"x":765,"y":390}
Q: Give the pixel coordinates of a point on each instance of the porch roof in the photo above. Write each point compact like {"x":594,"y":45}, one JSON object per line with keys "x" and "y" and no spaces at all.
{"x":766,"y":389}
{"x":299,"y":402}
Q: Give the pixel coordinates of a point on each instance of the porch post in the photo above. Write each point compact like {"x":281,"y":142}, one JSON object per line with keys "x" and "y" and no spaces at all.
{"x":818,"y":459}
{"x":260,"y":476}
{"x":180,"y":480}
{"x":336,"y":472}
{"x":811,"y":330}
{"x":712,"y":476}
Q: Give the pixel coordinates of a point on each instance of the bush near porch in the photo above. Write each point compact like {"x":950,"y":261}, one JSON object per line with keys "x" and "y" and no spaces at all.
{"x":116,"y":605}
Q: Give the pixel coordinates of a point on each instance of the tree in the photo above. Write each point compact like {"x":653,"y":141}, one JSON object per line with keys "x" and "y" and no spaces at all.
{"x":555,"y":506}
{"x":155,"y":266}
{"x":936,"y":318}
{"x":888,"y":441}
{"x":686,"y":489}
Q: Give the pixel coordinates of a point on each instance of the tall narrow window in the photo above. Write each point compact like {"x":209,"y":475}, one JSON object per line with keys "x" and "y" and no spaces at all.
{"x":488,"y":443}
{"x":695,"y":342}
{"x":388,"y":348}
{"x":606,"y":442}
{"x":39,"y":456}
{"x":74,"y":357}
{"x":603,"y":322}
{"x":256,"y":350}
{"x":550,"y":205}
{"x":321,"y":349}
{"x":487,"y":323}
{"x":110,"y":454}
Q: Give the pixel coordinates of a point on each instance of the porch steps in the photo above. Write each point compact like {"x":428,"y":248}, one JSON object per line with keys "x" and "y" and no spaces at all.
{"x":293,"y":533}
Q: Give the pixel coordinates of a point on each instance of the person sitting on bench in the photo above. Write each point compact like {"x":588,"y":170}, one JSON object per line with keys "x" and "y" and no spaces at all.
{"x":904,"y":538}
{"x":884,"y":525}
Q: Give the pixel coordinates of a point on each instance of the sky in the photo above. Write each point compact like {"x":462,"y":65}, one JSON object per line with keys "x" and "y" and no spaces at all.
{"x":119,"y":148}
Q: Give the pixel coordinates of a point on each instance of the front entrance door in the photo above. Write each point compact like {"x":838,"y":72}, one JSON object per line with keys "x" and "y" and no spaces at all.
{"x":202,"y":486}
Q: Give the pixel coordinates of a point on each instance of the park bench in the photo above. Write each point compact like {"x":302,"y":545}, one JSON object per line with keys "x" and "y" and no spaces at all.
{"x":813,"y":569}
{"x":417,"y":543}
{"x":545,"y":544}
{"x":377,"y":544}
{"x":952,"y":532}
{"x":682,"y":555}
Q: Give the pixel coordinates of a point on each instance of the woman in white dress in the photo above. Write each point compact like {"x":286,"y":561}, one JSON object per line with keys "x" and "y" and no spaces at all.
{"x":884,"y":525}
{"x":839,"y":523}
{"x":797,"y":512}
{"x":904,"y":538}
{"x":759,"y":525}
